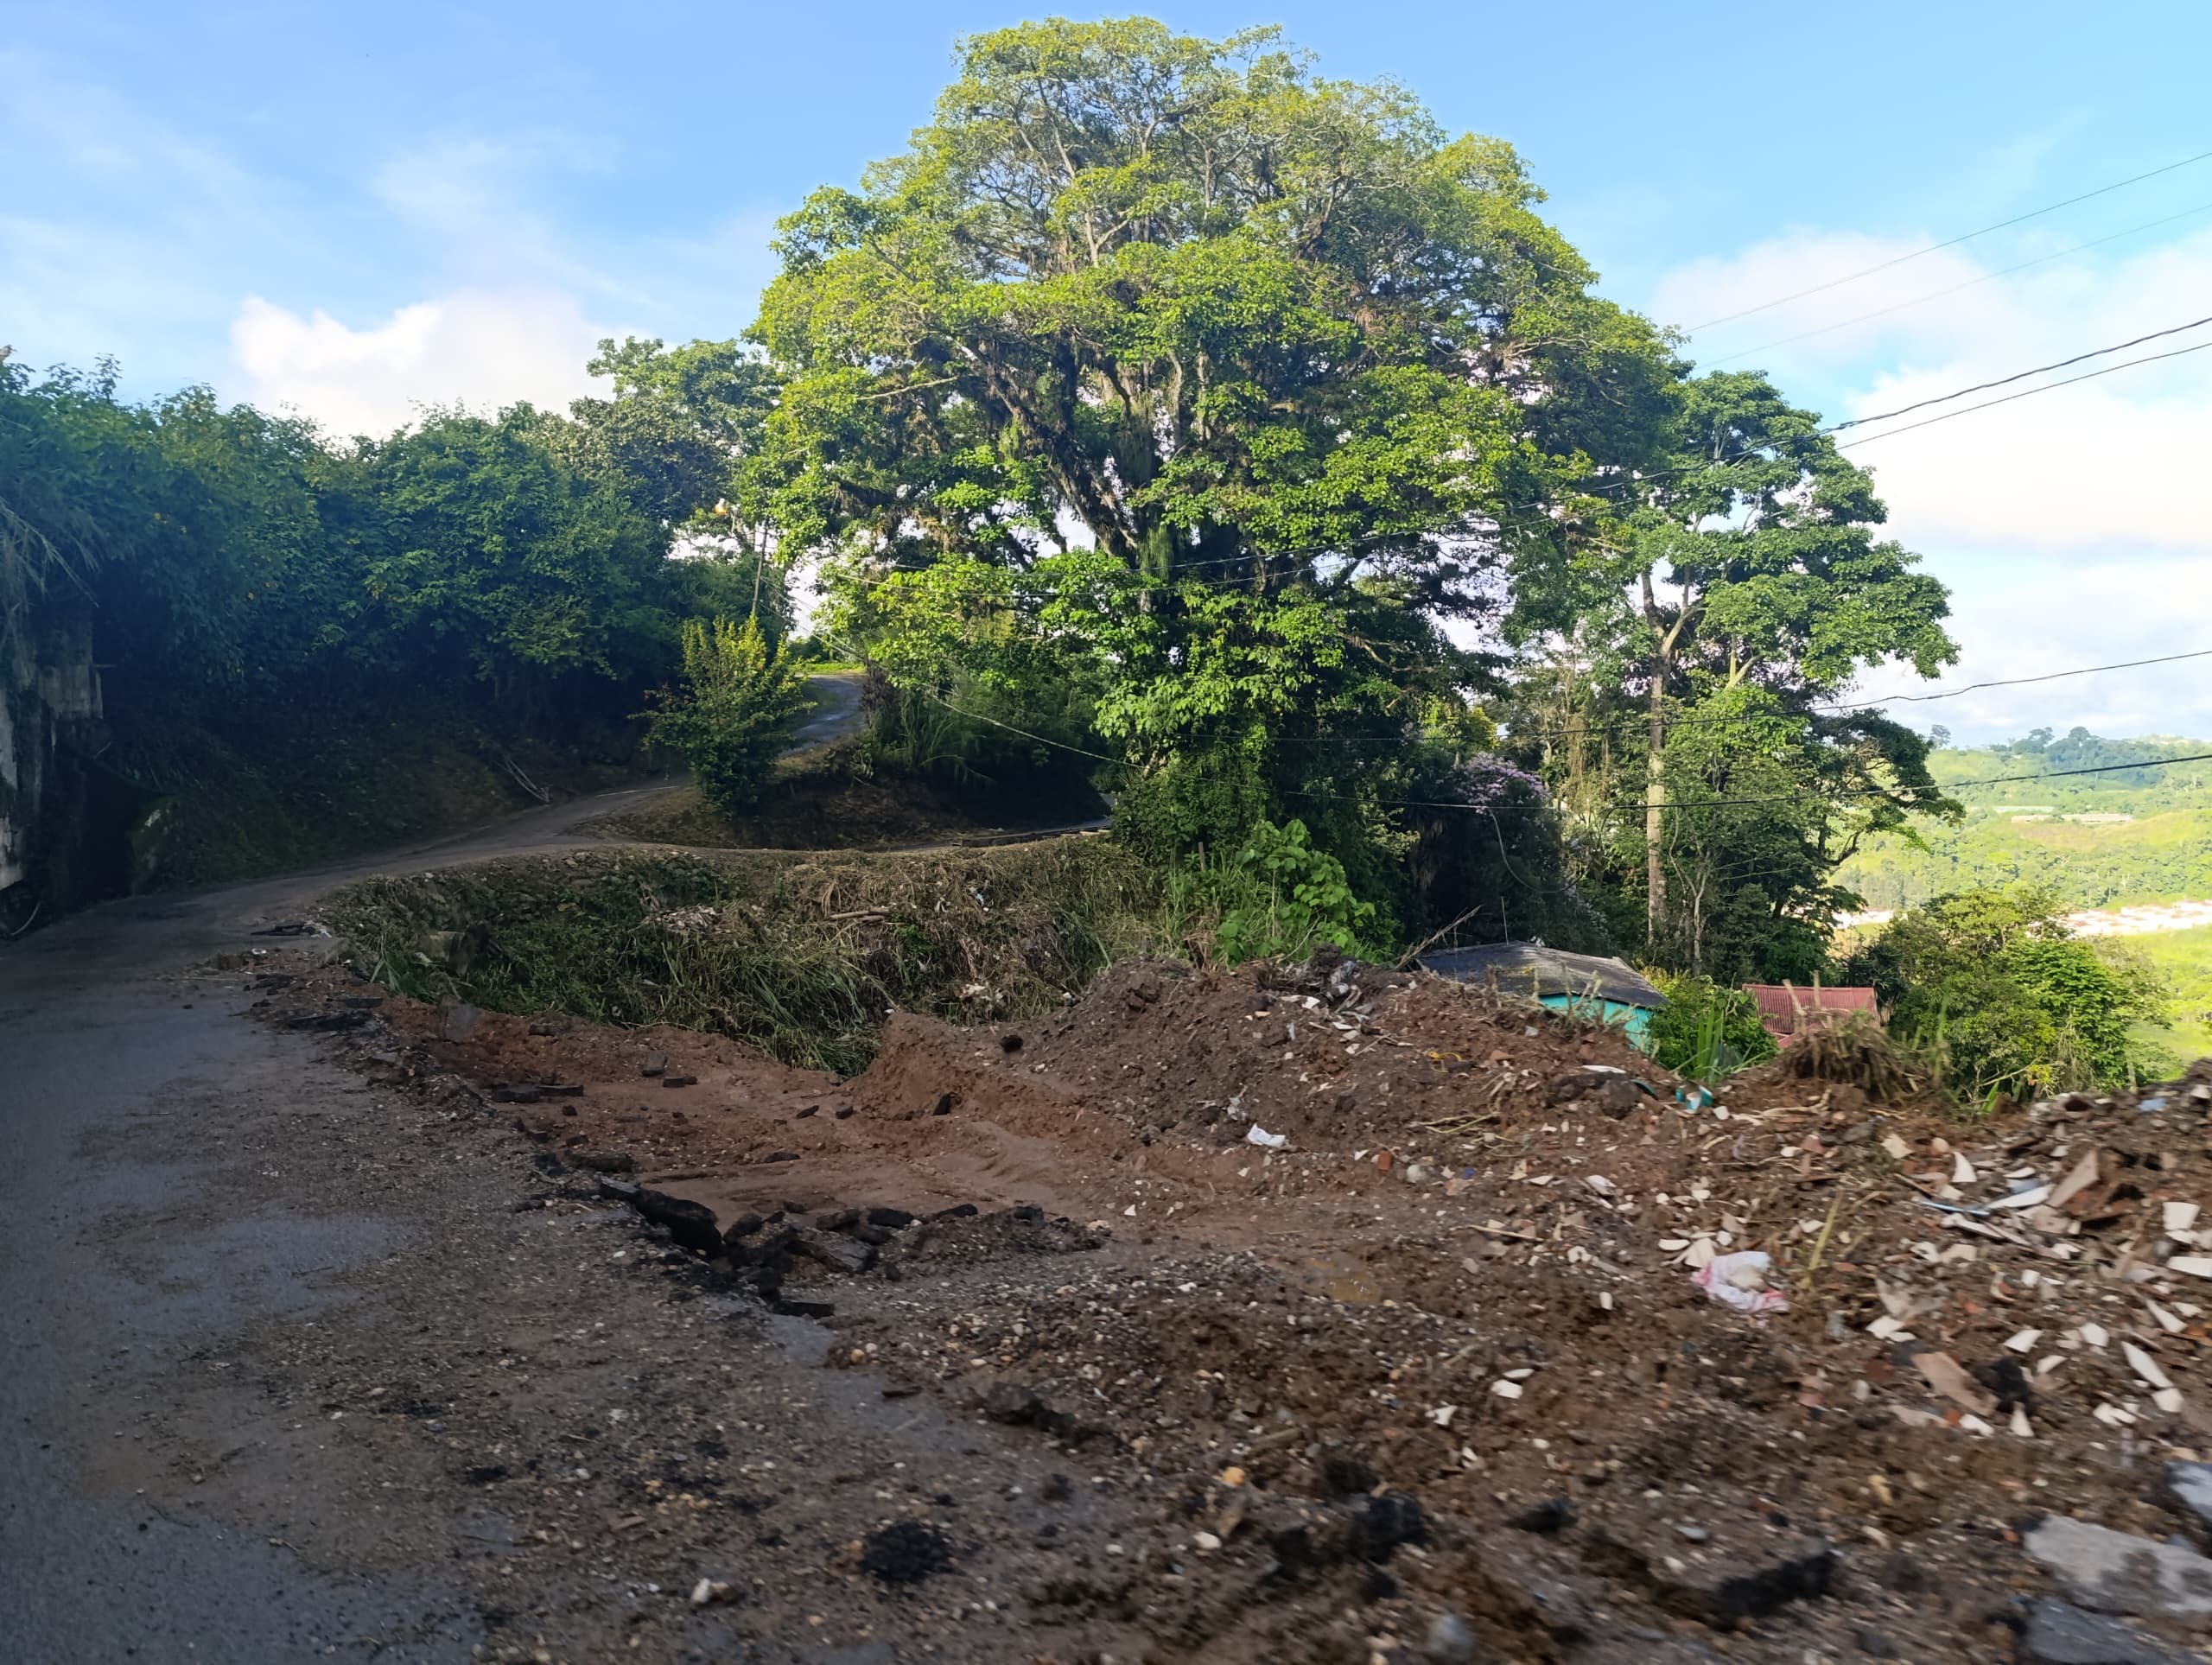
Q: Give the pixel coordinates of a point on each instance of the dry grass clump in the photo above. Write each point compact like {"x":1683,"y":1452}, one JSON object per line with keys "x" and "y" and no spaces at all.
{"x":800,"y":955}
{"x":1856,"y":1051}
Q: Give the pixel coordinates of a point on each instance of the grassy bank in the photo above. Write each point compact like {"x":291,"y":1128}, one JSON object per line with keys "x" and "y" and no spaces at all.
{"x":272,"y":796}
{"x":827,"y":799}
{"x":2186,"y":958}
{"x":801,"y":954}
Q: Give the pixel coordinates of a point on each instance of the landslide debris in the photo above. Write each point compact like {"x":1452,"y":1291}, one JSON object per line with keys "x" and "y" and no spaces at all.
{"x":1508,"y":1342}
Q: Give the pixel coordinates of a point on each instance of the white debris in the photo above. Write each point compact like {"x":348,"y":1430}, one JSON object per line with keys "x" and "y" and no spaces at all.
{"x":2194,"y":1266}
{"x":1442,"y":1415}
{"x":2144,"y":1365}
{"x":1962,"y":1172}
{"x":2168,"y":1400}
{"x":1886,"y":1328}
{"x":2165,"y":1319}
{"x":2082,"y":1175}
{"x":1505,"y":1390}
{"x":2024,"y":1342}
{"x":2095,"y":1335}
{"x":1897,"y":1148}
{"x":2027,"y":1198}
{"x":1257,"y":1135}
{"x":2021,"y":1425}
{"x":1739,"y":1280}
{"x":2181,"y":1216}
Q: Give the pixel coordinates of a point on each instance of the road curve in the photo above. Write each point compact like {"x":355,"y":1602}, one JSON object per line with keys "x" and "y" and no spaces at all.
{"x":129,"y":1100}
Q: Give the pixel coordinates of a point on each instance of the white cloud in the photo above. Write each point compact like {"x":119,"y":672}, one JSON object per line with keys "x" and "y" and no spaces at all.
{"x":2106,"y":464}
{"x":2068,"y":524}
{"x":476,"y":347}
{"x":2016,"y":616}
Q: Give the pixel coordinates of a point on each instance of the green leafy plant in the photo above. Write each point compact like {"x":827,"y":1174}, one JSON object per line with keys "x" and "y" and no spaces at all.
{"x":1294,"y":900}
{"x":735,"y":713}
{"x":1992,"y":986}
{"x":1706,"y":1030}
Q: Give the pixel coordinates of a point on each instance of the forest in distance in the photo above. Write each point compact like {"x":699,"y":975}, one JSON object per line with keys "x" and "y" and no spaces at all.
{"x":2101,"y":841}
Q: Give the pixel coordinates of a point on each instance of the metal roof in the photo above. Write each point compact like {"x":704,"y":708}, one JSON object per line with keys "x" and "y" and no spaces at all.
{"x":1784,"y":1008}
{"x":1533,"y":969}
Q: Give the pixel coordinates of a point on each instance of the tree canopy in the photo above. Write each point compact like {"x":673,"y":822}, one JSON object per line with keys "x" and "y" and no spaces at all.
{"x":1167,"y":410}
{"x":1170,"y":370}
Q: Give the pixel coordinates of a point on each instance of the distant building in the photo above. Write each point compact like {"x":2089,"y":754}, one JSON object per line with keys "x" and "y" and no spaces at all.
{"x":1606,"y":990}
{"x":1788,"y":1011}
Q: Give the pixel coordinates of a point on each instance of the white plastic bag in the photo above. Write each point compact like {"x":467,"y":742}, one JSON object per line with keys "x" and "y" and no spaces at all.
{"x":1739,"y":1280}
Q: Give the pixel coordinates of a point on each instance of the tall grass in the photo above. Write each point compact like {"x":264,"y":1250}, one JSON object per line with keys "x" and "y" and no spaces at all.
{"x":801,"y":955}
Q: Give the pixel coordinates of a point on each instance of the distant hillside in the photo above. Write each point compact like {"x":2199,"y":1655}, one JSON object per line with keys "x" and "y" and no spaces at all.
{"x":2142,"y":834}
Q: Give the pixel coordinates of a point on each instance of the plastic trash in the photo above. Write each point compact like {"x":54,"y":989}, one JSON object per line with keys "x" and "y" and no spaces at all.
{"x":2152,"y":1106}
{"x":1696,"y":1098}
{"x":1259,"y":1135}
{"x":1739,"y":1280}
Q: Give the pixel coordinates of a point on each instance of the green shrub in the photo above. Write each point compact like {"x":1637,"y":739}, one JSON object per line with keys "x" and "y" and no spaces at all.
{"x":1289,"y":899}
{"x":1992,"y":987}
{"x":1209,"y":798}
{"x":735,"y":713}
{"x":1706,"y":1030}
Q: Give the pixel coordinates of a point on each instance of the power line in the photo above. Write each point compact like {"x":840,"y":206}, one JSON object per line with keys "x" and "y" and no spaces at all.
{"x":1937,"y":788}
{"x":2127,"y":364}
{"x":2017,"y":681}
{"x":1638,"y":720}
{"x":1947,"y":243}
{"x":1042,"y":739}
{"x":2021,"y":375}
{"x":1972,"y":282}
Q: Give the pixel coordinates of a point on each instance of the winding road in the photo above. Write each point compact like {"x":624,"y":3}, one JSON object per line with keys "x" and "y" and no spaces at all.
{"x":175,"y":1191}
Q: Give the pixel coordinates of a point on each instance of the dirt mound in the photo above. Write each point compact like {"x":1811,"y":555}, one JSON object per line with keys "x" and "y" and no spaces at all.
{"x":1472,"y":1346}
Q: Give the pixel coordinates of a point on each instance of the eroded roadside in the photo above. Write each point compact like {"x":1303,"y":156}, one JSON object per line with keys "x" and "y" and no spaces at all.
{"x":1162,"y":1393}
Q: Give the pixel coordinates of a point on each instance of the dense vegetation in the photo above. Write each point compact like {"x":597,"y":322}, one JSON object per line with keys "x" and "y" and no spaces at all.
{"x":1990,"y":986}
{"x":1178,"y":405}
{"x":1171,"y":421}
{"x":802,"y":958}
{"x":272,"y":611}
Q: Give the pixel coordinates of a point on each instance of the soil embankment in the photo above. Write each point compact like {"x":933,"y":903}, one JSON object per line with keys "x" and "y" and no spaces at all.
{"x":1440,"y":1370}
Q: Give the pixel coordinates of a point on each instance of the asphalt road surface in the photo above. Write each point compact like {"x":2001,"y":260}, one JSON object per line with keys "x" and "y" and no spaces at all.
{"x":190,"y":1220}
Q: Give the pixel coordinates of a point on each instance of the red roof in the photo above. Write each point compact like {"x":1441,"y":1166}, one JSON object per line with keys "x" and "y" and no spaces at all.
{"x":1784,"y":1008}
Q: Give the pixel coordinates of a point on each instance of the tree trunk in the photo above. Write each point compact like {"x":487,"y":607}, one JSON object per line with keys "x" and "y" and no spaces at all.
{"x":1654,"y":805}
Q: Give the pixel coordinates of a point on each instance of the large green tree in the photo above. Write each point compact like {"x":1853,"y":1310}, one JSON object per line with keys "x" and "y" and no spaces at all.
{"x":1735,"y":591}
{"x":1224,"y":383}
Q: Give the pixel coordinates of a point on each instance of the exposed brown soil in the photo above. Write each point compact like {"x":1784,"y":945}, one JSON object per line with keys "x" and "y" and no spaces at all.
{"x":1441,"y":1360}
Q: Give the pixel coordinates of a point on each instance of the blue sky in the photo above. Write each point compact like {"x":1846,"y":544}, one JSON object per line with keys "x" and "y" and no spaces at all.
{"x":353,"y":210}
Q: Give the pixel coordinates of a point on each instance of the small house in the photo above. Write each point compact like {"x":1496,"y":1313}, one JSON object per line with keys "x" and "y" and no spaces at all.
{"x":1603,"y":989}
{"x":1788,"y":1011}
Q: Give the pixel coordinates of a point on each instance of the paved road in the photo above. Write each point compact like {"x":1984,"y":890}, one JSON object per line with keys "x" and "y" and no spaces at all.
{"x":127,"y":1099}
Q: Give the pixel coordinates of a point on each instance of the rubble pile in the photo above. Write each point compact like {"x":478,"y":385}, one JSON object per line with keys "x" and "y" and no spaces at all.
{"x":1437,"y":1325}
